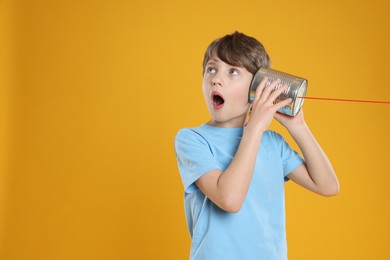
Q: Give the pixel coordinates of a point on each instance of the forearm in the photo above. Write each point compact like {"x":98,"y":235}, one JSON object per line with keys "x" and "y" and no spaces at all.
{"x":234,"y":182}
{"x":318,"y":165}
{"x":228,"y":189}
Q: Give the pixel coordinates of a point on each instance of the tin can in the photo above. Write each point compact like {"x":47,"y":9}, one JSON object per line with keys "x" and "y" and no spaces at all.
{"x":296,"y":88}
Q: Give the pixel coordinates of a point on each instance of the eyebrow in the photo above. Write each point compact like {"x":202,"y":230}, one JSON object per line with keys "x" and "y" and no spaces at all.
{"x":212,"y":61}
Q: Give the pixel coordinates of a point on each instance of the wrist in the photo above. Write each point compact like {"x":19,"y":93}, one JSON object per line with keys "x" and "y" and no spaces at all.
{"x":298,"y":130}
{"x":255,"y":127}
{"x":252,"y":134}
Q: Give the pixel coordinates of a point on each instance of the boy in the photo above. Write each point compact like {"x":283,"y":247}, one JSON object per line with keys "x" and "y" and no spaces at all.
{"x":234,"y":175}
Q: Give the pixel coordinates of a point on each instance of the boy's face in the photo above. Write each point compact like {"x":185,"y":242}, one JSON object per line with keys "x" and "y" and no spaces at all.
{"x":225,"y":88}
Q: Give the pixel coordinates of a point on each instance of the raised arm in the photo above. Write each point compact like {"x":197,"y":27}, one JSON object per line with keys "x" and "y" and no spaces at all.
{"x":228,"y":189}
{"x":317,"y":173}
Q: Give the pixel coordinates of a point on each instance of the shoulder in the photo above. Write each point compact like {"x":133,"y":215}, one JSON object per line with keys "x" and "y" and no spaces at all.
{"x":272,"y":136}
{"x":190,"y":132}
{"x":194,"y":136}
{"x":186,"y":132}
{"x":199,"y":132}
{"x":273,"y":140}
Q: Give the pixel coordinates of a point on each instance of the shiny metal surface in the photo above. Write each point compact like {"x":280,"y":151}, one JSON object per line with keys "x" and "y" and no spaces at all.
{"x":296,"y":88}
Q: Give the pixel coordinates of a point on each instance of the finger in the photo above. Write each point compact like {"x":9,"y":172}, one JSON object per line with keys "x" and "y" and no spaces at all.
{"x":260,"y":88}
{"x":269,"y":89}
{"x":283,"y":103}
{"x":276,"y":93}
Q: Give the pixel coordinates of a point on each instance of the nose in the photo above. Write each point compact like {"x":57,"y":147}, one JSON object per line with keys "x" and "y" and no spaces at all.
{"x":216,"y":81}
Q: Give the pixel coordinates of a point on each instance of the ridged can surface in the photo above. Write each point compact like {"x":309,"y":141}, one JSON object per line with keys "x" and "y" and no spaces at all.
{"x":296,"y":88}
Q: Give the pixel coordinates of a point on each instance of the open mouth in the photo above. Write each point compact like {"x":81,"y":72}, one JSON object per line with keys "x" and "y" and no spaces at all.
{"x":218,"y":100}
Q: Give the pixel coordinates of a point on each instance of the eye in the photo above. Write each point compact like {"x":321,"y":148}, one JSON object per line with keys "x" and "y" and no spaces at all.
{"x":234,"y":71}
{"x":211,"y":70}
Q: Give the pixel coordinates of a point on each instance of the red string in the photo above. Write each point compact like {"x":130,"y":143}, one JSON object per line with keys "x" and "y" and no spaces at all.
{"x":348,"y":100}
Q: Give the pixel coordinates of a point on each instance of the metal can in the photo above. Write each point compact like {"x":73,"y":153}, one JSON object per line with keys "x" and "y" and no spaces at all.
{"x":296,"y":88}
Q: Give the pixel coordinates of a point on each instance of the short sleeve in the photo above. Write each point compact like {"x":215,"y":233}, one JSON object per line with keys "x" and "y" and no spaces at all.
{"x":194,"y":157}
{"x":290,"y":158}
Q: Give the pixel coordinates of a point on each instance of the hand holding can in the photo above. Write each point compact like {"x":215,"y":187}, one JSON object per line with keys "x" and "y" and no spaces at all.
{"x":296,"y":88}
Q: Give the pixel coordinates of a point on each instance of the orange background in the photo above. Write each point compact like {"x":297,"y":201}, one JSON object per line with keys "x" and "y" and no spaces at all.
{"x":92,"y":94}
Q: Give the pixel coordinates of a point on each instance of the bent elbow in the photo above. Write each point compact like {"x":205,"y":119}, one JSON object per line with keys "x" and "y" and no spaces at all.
{"x":232,"y":209}
{"x":330,"y":192}
{"x":231,"y":206}
{"x":329,"y":188}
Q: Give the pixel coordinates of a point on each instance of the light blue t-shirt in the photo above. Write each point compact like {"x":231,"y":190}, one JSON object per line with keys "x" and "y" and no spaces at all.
{"x":258,"y":230}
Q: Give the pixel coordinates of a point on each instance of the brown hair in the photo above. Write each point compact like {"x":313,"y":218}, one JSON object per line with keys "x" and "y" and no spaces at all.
{"x":238,"y":49}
